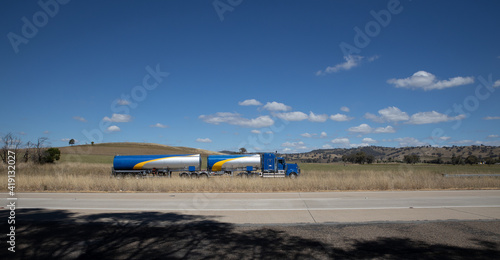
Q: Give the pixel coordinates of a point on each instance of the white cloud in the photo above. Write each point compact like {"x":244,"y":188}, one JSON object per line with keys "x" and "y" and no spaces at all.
{"x":345,"y":142}
{"x":427,"y":81}
{"x":308,"y":135}
{"x":114,"y":128}
{"x":340,"y":117}
{"x":317,"y":118}
{"x":431,"y":118}
{"x":345,"y":109}
{"x":123,"y":102}
{"x":342,"y":141}
{"x":292,"y":116}
{"x":493,"y":136}
{"x":444,"y":138}
{"x":363,"y":129}
{"x":293,"y":146}
{"x":327,"y":146}
{"x":351,"y":61}
{"x":369,"y":140}
{"x":79,"y":118}
{"x":159,"y":125}
{"x":275,"y":106}
{"x":496,"y":84}
{"x":460,"y":142}
{"x":373,"y":117}
{"x":255,"y":131}
{"x":389,"y":114}
{"x":393,"y":114}
{"x":409,"y":141}
{"x":250,"y":102}
{"x":203,"y":140}
{"x":118,"y":118}
{"x":491,"y":118}
{"x":384,"y":130}
{"x":372,"y":58}
{"x":366,"y":129}
{"x":236,"y":119}
{"x":360,"y":145}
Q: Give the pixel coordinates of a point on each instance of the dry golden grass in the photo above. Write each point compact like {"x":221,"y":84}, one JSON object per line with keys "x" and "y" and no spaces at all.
{"x":111,"y":149}
{"x":95,"y":177}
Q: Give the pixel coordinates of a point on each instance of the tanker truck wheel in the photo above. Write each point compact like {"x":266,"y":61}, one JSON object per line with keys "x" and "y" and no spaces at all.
{"x":293,"y":175}
{"x":184,"y":175}
{"x":203,"y":176}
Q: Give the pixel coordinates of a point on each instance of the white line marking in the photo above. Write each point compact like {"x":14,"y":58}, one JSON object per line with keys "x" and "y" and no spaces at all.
{"x":269,"y":209}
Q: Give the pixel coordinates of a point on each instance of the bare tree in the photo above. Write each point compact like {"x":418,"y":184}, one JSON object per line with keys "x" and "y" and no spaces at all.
{"x":10,"y":142}
{"x":28,"y":151}
{"x":39,"y":149}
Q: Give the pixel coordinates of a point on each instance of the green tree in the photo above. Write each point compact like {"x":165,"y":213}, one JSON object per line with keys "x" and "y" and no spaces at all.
{"x":360,"y":157}
{"x":72,"y":142}
{"x":243,"y":150}
{"x":471,"y":159}
{"x":370,"y":159}
{"x":456,"y":160}
{"x":411,"y":159}
{"x":51,"y":155}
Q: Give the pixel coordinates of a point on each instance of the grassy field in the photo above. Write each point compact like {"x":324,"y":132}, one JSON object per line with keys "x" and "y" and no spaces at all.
{"x":91,"y":173}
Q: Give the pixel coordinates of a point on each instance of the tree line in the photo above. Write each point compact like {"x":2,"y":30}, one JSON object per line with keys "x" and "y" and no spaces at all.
{"x":359,"y":157}
{"x":37,"y":152}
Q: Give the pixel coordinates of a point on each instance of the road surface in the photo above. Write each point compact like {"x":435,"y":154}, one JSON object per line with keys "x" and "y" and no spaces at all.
{"x":282,"y":208}
{"x":326,"y":225}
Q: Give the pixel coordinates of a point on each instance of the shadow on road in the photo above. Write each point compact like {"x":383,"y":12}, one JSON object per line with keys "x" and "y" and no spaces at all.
{"x":60,"y":234}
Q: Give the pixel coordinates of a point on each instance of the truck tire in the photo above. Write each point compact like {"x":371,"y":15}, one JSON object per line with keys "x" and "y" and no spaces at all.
{"x":203,"y":176}
{"x":184,"y":175}
{"x":293,"y":175}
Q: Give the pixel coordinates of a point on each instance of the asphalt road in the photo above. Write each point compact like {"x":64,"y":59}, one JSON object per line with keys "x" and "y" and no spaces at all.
{"x":282,"y":208}
{"x":333,"y":225}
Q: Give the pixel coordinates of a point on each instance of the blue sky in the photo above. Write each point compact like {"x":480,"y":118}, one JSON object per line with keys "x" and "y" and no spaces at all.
{"x":288,"y":76}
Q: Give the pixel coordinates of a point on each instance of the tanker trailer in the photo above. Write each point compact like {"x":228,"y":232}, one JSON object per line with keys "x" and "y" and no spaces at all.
{"x":156,"y":164}
{"x":228,"y":164}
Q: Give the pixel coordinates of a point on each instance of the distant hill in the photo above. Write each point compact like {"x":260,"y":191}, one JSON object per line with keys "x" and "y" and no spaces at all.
{"x":131,"y":149}
{"x":389,"y":154}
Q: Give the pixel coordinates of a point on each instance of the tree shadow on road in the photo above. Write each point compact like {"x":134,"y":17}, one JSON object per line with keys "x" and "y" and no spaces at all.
{"x":60,"y":234}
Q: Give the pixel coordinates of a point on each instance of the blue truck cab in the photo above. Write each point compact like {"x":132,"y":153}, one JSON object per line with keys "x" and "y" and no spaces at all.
{"x":273,"y":166}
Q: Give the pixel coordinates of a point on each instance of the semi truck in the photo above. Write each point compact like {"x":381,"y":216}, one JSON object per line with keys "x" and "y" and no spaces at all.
{"x":189,"y":165}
